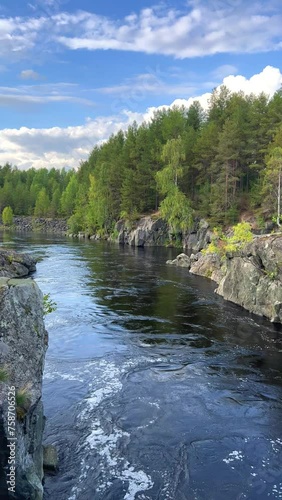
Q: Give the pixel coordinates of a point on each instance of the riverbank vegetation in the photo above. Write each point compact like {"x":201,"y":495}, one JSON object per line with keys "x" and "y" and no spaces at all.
{"x":184,"y":162}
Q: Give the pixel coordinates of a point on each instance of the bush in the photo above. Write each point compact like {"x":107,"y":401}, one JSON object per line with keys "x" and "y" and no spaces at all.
{"x":7,"y":216}
{"x":222,"y":244}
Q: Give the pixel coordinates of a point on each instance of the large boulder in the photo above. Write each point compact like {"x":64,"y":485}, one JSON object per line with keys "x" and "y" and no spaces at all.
{"x":23,"y":343}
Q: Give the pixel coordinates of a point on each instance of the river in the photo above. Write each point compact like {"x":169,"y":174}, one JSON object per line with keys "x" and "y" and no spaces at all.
{"x":155,"y":388}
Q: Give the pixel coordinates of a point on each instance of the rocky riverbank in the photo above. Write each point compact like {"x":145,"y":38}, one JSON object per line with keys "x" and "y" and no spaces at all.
{"x":151,"y":231}
{"x":23,"y":343}
{"x":251,"y":277}
{"x":39,"y":224}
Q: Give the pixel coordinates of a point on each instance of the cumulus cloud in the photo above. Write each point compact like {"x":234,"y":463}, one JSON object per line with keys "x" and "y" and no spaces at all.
{"x":268,"y":81}
{"x":29,"y":74}
{"x":66,"y":147}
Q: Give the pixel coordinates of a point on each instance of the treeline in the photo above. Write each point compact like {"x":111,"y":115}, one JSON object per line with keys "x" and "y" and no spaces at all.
{"x":186,"y":163}
{"x":43,"y":192}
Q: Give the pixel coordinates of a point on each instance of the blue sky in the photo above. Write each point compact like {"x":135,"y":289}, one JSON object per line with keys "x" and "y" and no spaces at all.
{"x":72,"y":72}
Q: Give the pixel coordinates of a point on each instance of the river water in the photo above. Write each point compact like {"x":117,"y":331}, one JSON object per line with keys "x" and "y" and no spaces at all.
{"x":155,"y":388}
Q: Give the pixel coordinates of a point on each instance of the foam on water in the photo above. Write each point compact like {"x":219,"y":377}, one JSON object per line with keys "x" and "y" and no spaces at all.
{"x":102,"y":442}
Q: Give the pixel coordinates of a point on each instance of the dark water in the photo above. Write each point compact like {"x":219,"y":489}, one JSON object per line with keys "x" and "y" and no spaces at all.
{"x":155,"y":388}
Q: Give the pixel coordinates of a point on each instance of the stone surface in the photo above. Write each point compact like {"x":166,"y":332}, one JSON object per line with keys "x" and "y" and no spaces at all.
{"x":251,"y":278}
{"x":23,"y":343}
{"x":14,"y":264}
{"x":209,"y":266}
{"x":182,"y":260}
{"x":40,"y":224}
{"x":198,"y":238}
{"x":146,"y":232}
{"x":50,"y":459}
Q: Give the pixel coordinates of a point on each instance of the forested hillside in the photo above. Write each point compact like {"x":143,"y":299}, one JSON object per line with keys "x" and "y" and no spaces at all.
{"x":186,"y":163}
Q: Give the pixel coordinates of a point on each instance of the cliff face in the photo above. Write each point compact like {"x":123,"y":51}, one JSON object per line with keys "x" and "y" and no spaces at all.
{"x":251,"y":278}
{"x":147,"y":232}
{"x":23,"y":343}
{"x":155,"y":232}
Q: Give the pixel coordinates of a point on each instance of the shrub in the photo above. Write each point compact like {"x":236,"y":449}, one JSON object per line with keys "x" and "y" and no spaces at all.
{"x":222,"y":244}
{"x":49,"y":305}
{"x":22,"y":402}
{"x":7,"y":216}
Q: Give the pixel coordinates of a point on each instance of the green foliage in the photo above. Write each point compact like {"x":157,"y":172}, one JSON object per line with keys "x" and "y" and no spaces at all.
{"x":222,"y":162}
{"x":49,"y":305}
{"x":176,"y":210}
{"x":75,"y":223}
{"x":7,"y":216}
{"x":272,"y":275}
{"x":273,"y":178}
{"x":42,"y":204}
{"x":22,"y":402}
{"x":222,"y":244}
{"x":3,"y":374}
{"x":69,"y":196}
{"x":242,"y":235}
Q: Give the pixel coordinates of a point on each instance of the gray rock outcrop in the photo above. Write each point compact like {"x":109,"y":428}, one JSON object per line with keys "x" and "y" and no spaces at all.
{"x":198,"y":238}
{"x":251,"y":278}
{"x":17,"y":265}
{"x":23,"y":343}
{"x":182,"y":260}
{"x":147,"y":232}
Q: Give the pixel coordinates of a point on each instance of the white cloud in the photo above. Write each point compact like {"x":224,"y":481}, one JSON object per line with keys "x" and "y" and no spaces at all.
{"x":268,"y":81}
{"x":40,"y":94}
{"x":57,"y":147}
{"x":65,"y":147}
{"x":29,"y":74}
{"x":199,"y":30}
{"x":18,"y":36}
{"x":202,"y":28}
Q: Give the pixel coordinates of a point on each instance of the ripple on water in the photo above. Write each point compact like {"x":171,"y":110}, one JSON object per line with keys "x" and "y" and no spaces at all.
{"x":105,"y":439}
